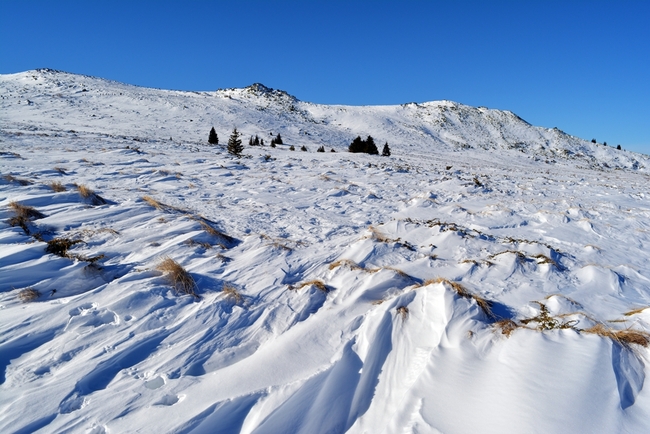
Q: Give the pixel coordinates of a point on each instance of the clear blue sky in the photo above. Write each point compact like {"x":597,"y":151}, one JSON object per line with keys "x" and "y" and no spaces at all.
{"x":581,"y":66}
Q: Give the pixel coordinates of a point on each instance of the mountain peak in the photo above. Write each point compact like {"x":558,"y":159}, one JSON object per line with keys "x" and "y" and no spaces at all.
{"x":259,"y":89}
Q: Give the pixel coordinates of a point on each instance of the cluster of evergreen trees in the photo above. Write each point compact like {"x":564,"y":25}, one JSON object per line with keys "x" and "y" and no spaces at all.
{"x":276,"y":141}
{"x":236,"y":148}
{"x":256,"y":141}
{"x":368,"y":146}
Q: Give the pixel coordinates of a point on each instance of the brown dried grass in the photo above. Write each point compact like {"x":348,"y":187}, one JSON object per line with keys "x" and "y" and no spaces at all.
{"x":25,"y":211}
{"x":231,"y":293}
{"x":345,"y":263}
{"x":624,"y":337}
{"x":57,"y":186}
{"x":318,"y":284}
{"x":160,"y":206}
{"x":89,"y":195}
{"x":403,"y":311}
{"x":483,"y":304}
{"x":28,"y":294}
{"x":13,"y":179}
{"x":506,"y":326}
{"x":635,"y":311}
{"x":178,"y":277}
{"x":60,"y":246}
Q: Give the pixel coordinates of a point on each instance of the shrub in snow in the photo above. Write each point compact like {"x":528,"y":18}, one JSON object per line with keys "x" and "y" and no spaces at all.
{"x":178,"y":277}
{"x":28,"y":294}
{"x":386,"y":151}
{"x":213,"y":139}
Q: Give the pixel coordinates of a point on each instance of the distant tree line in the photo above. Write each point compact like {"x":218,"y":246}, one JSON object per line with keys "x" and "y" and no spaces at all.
{"x":236,"y":148}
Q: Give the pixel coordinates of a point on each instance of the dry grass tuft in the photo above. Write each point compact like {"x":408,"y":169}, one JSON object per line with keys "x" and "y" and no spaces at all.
{"x":57,"y":186}
{"x":543,"y":259}
{"x":378,"y":236}
{"x":13,"y":179}
{"x":232,"y":293}
{"x":403,"y":311}
{"x":345,"y":263}
{"x":485,"y":305}
{"x":401,"y":273}
{"x":283,"y":243}
{"x":545,"y":321}
{"x":635,"y":311}
{"x":28,"y":294}
{"x":60,"y":246}
{"x":90,"y":196}
{"x":24,"y":211}
{"x":61,"y":170}
{"x":318,"y":284}
{"x":624,"y":337}
{"x":23,"y":216}
{"x":521,"y":258}
{"x":214,"y":232}
{"x":507,"y":326}
{"x":192,"y":242}
{"x":160,"y":206}
{"x":178,"y":277}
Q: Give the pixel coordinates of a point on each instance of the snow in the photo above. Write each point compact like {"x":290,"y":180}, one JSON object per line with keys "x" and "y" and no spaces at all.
{"x":524,"y":217}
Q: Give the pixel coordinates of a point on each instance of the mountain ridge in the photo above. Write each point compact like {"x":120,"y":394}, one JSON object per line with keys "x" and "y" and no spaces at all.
{"x":46,"y":98}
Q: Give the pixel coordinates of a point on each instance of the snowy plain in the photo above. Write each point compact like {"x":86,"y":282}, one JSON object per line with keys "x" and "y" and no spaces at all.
{"x":365,"y":294}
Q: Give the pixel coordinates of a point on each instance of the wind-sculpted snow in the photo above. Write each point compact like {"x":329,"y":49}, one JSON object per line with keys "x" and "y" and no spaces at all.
{"x":445,"y":289}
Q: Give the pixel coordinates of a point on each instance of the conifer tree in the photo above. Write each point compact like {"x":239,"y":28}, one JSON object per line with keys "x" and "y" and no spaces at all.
{"x":256,"y":140}
{"x":278,"y":139}
{"x":234,"y":144}
{"x":357,"y":145}
{"x":213,"y":139}
{"x":370,"y":147}
{"x":386,"y":151}
{"x":250,"y":141}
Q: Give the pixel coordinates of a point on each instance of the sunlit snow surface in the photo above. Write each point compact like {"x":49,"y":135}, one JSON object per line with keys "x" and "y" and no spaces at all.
{"x":481,"y":198}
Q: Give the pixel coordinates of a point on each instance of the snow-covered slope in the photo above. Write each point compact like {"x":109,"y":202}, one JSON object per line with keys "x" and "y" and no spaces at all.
{"x":481,"y":279}
{"x":52,"y":101}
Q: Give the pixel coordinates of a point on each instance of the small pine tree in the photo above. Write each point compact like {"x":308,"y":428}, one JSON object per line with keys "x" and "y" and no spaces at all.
{"x":213,"y":139}
{"x":278,"y":139}
{"x":370,"y":147}
{"x":321,"y":149}
{"x":261,"y":142}
{"x":618,"y":147}
{"x":303,"y":148}
{"x":256,"y":141}
{"x":234,"y":144}
{"x":593,"y":141}
{"x":357,"y":145}
{"x":273,"y":143}
{"x":386,"y":151}
{"x":292,"y":148}
{"x":604,"y":143}
{"x":333,"y":150}
{"x":250,"y":141}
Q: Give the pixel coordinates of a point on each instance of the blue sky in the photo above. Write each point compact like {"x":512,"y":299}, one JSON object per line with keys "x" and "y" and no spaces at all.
{"x":581,"y":66}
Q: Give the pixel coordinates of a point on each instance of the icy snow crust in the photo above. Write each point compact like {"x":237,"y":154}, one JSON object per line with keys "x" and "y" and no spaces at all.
{"x":379,"y":341}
